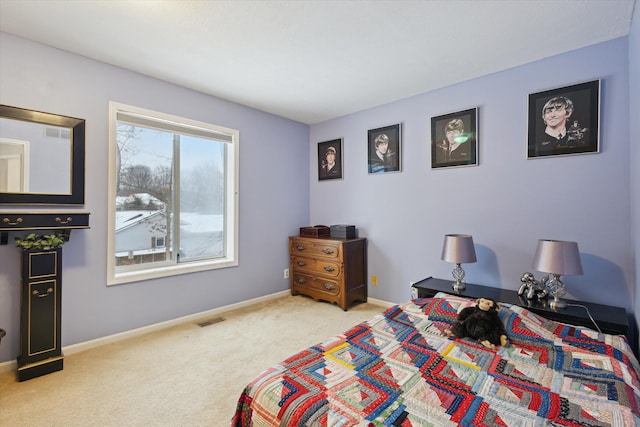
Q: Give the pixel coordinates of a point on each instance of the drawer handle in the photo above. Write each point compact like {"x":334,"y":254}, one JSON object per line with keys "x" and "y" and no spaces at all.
{"x":300,"y":248}
{"x":39,"y":295}
{"x":329,"y":286}
{"x":8,"y":221}
{"x":302,"y":263}
{"x":329,"y":268}
{"x":301,"y":280}
{"x":327,"y":251}
{"x":61,"y":221}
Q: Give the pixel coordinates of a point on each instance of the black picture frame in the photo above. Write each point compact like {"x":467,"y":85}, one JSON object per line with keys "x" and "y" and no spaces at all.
{"x":460,"y":147}
{"x":385,"y":145}
{"x":579,"y":129}
{"x":326,"y":169}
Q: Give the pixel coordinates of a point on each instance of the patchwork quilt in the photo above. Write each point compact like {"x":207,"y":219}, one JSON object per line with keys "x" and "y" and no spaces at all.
{"x":401,"y":369}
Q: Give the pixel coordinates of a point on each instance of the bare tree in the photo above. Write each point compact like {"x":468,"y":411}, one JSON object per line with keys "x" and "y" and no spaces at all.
{"x":162,"y":183}
{"x":136,"y":179}
{"x":125,"y":134}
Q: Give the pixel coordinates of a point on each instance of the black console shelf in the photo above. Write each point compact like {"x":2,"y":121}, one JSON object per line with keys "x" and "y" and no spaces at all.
{"x":32,"y":221}
{"x":41,"y":290}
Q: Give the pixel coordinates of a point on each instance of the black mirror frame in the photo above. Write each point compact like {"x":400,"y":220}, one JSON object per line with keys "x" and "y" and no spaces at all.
{"x":77,"y":127}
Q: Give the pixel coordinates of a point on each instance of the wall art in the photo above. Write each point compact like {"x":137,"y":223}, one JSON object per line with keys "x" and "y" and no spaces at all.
{"x":454,"y":139}
{"x":384,"y":149}
{"x":564,"y":121}
{"x":330,"y":159}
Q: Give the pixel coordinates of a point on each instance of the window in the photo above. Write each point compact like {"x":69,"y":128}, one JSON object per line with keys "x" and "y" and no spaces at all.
{"x":173,"y":195}
{"x":157,"y":242}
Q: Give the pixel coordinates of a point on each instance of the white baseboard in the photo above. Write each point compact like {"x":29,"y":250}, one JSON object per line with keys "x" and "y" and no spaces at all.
{"x":83,"y":346}
{"x":10,"y":365}
{"x":87,"y":345}
{"x":383,"y":303}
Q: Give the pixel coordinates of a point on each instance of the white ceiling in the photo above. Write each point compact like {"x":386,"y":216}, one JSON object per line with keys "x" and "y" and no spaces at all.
{"x":311,"y":61}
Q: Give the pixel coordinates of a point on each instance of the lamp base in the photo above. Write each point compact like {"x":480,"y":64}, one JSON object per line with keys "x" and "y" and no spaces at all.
{"x":458,"y":286}
{"x":458,"y":274}
{"x":557,"y":303}
{"x":556,"y":290}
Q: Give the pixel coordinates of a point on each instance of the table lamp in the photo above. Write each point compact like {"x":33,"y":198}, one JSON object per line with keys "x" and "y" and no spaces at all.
{"x":458,"y":248}
{"x":557,"y":257}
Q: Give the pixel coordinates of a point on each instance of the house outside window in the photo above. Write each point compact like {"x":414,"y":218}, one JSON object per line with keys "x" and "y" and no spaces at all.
{"x":173,"y":195}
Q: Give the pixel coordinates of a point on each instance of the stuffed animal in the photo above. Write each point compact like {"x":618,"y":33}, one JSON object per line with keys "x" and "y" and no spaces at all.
{"x":480,"y":322}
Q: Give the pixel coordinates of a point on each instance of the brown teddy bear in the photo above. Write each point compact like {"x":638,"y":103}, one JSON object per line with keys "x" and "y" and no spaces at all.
{"x":480,"y":322}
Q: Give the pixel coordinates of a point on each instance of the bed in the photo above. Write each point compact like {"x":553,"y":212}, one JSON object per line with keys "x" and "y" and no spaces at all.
{"x":400,"y":368}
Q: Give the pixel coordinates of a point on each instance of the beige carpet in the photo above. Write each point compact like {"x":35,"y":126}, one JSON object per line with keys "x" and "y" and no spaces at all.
{"x":185,"y":375}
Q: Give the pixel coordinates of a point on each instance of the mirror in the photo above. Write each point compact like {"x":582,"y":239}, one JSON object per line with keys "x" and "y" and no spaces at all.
{"x":41,"y":158}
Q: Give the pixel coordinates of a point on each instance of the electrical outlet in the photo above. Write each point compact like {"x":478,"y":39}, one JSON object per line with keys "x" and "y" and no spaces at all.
{"x":286,"y":273}
{"x":374,"y":280}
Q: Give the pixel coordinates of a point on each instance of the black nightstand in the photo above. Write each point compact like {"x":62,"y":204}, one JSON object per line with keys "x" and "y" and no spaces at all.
{"x":611,"y":320}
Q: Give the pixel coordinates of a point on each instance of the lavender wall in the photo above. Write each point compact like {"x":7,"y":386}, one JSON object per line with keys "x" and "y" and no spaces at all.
{"x":506,"y":202}
{"x":274,"y":199}
{"x":634,"y":111}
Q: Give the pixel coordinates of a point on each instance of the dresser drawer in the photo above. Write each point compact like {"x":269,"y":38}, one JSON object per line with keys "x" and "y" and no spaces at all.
{"x":315,"y":248}
{"x":316,"y":266}
{"x":319,"y":284}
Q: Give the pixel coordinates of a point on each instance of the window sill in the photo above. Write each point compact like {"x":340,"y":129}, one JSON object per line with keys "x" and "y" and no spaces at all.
{"x":168,"y":271}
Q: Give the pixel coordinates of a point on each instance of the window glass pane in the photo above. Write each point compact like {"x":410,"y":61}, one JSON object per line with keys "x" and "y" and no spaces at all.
{"x":202,"y":198}
{"x":143,"y":195}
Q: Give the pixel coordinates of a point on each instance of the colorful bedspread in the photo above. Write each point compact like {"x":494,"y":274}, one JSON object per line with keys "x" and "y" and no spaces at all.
{"x":400,"y":369}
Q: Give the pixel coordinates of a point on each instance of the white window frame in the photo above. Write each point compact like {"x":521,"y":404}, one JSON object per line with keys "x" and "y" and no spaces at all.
{"x":230,"y":259}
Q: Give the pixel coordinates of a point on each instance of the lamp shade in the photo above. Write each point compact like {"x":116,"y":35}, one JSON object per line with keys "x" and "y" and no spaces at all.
{"x":557,"y":257}
{"x":458,"y":248}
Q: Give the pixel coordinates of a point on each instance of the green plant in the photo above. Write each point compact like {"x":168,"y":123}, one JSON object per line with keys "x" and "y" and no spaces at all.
{"x":36,"y":241}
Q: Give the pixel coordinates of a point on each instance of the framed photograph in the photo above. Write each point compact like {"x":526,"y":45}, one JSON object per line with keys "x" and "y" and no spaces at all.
{"x":330,"y":159}
{"x":564,"y":121}
{"x":454,"y":139}
{"x":384,"y":149}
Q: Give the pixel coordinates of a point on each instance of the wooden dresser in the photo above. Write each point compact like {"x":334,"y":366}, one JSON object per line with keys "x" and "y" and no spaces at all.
{"x":329,"y":269}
